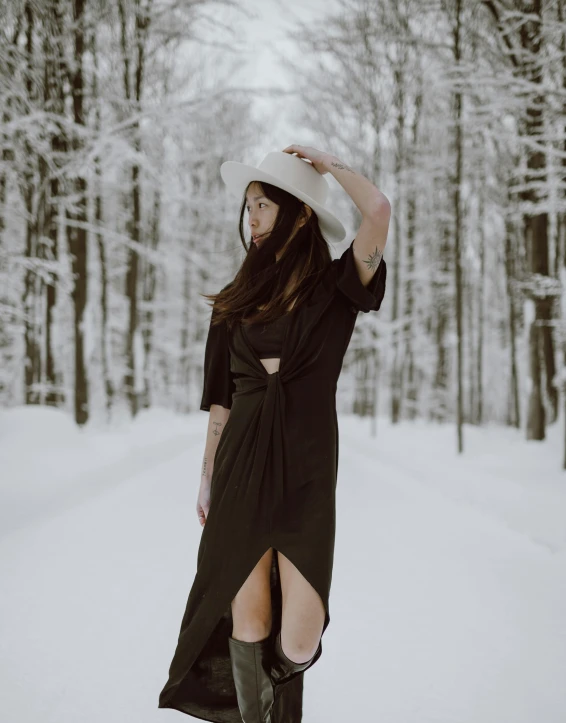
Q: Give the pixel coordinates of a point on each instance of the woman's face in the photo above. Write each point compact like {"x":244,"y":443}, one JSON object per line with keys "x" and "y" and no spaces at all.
{"x":262,"y":213}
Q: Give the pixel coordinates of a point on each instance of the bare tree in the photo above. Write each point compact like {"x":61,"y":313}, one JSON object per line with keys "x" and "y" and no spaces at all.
{"x":526,"y":52}
{"x":133,"y":91}
{"x":105,"y":350}
{"x":76,"y":220}
{"x":54,"y":103}
{"x":32,"y":283}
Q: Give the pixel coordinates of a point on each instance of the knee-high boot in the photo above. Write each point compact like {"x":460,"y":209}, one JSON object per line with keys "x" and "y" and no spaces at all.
{"x":254,"y":689}
{"x":282,"y":669}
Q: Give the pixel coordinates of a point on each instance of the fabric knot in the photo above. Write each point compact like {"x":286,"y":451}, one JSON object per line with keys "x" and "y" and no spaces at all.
{"x":268,"y":490}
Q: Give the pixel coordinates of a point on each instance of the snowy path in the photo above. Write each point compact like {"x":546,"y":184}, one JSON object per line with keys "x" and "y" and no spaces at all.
{"x":440,"y":611}
{"x":97,"y":481}
{"x":464,"y":621}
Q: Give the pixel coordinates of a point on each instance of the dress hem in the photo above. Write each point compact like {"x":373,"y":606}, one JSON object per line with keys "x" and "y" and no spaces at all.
{"x":193,"y":715}
{"x":168,"y":695}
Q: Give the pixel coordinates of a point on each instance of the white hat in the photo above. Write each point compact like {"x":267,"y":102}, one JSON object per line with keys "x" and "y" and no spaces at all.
{"x":292,"y":174}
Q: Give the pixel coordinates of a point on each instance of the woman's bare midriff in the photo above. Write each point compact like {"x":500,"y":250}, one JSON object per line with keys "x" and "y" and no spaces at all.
{"x":271,"y":365}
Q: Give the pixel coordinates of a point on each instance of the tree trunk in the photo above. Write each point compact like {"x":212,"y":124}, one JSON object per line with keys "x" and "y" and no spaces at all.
{"x":396,"y":291}
{"x":375,"y":388}
{"x":410,"y":373}
{"x":457,"y":232}
{"x":184,"y":355}
{"x":561,"y":230}
{"x":101,"y":245}
{"x":149,"y":287}
{"x":514,"y":406}
{"x":541,"y":357}
{"x":76,"y":236}
{"x":32,"y":363}
{"x":529,"y":65}
{"x":8,"y":65}
{"x":130,"y":381}
{"x":142,"y":19}
{"x":409,"y":360}
{"x":440,"y":301}
{"x":55,"y":104}
{"x":480,"y":294}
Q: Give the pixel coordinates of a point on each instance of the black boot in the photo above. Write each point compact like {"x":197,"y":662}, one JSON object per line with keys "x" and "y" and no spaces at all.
{"x":283,"y":669}
{"x":254,"y":689}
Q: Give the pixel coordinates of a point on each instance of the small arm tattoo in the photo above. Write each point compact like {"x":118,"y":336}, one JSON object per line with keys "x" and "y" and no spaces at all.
{"x":215,"y":431}
{"x":341,"y":166}
{"x":204,"y":466}
{"x":373,"y":259}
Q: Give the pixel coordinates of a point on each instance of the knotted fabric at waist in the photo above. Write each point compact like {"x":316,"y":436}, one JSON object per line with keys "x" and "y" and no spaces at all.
{"x":270,"y":436}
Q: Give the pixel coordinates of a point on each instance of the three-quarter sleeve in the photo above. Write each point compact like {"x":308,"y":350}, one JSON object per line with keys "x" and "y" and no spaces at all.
{"x":218,"y":379}
{"x":348,"y":282}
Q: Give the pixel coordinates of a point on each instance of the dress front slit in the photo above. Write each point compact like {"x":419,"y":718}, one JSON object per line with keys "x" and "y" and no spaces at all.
{"x":186,"y":692}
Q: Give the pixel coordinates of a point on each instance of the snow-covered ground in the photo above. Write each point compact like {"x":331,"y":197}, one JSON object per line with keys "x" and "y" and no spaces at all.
{"x":448,"y":601}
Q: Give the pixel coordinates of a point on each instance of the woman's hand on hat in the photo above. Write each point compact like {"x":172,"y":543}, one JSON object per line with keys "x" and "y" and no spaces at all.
{"x":318,"y":159}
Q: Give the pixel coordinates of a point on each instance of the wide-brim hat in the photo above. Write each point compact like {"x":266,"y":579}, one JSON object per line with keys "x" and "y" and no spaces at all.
{"x":292,"y":174}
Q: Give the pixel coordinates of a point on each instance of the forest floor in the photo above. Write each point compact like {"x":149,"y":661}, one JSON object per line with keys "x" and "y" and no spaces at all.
{"x":448,"y":600}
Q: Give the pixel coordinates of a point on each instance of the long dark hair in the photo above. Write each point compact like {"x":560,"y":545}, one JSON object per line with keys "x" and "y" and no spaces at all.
{"x":262,"y":279}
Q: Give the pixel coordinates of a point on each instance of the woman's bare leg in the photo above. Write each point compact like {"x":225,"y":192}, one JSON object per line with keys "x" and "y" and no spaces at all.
{"x":251,"y":608}
{"x":303,"y":613}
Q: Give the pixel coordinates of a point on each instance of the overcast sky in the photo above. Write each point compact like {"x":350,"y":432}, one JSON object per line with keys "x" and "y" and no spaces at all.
{"x":265,"y":27}
{"x":264,"y":33}
{"x":266,"y":24}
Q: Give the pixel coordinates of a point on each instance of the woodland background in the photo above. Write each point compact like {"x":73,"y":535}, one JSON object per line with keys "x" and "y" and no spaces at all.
{"x":116,"y":116}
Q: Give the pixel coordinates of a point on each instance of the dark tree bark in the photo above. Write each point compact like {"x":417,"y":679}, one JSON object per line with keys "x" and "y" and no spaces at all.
{"x":410,"y":385}
{"x":8,"y":65}
{"x":142,"y":21}
{"x":101,"y":245}
{"x":54,"y":104}
{"x":397,"y":339}
{"x":514,"y":415}
{"x":375,"y":388}
{"x":457,"y":231}
{"x":440,"y":385}
{"x":409,"y":382}
{"x":364,"y":375}
{"x":148,"y":294}
{"x":31,"y":292}
{"x":76,"y":233}
{"x":536,"y":231}
{"x":410,"y":372}
{"x":524,"y":48}
{"x":561,"y":232}
{"x":478,"y":411}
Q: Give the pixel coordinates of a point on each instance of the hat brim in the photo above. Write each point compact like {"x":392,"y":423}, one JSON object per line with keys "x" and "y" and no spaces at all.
{"x":237,"y":176}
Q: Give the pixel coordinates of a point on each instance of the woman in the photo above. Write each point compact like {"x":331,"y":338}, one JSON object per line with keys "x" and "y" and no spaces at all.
{"x":259,"y":603}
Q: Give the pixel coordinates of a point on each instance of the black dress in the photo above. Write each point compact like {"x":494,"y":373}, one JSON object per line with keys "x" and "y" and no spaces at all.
{"x":273,"y":484}
{"x":267,"y":339}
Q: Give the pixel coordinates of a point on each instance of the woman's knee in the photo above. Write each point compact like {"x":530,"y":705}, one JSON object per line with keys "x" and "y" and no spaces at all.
{"x":299,"y":647}
{"x":303,"y":614}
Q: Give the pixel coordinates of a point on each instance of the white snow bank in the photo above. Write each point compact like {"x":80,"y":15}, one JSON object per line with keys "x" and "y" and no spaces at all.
{"x":47,"y":462}
{"x":519,"y":482}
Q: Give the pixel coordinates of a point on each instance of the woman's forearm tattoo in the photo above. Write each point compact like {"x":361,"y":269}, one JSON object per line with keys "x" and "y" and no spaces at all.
{"x":215,"y":431}
{"x":341,"y":166}
{"x":204,"y":466}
